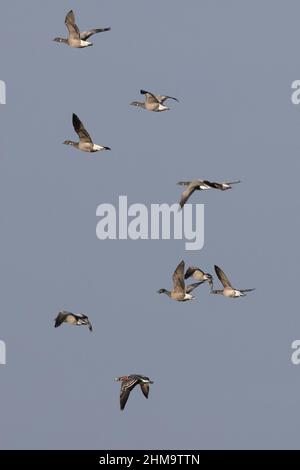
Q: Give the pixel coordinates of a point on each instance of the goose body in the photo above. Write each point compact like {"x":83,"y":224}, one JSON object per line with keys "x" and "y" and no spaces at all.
{"x":201,"y":185}
{"x":128,"y":382}
{"x":228,"y":290}
{"x":180,"y":291}
{"x":153,"y":102}
{"x":76,"y":38}
{"x":85,"y":143}
{"x":198,"y":275}
{"x":73,"y":319}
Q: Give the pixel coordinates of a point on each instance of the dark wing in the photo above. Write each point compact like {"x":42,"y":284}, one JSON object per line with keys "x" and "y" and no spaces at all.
{"x":191,"y":287}
{"x":188,"y":192}
{"x":190,"y":271}
{"x":124,"y":395}
{"x":71,"y":25}
{"x":215,"y":185}
{"x":79,"y":128}
{"x":222,"y":277}
{"x":86,"y":320}
{"x":149,"y":96}
{"x":212,"y":184}
{"x":145,"y":389}
{"x":126,"y":388}
{"x":163,"y":98}
{"x":87,"y":34}
{"x":246,"y":290}
{"x":178,"y":278}
{"x":60,"y":318}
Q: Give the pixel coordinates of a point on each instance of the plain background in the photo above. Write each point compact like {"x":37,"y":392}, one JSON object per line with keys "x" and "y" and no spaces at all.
{"x":222,"y":369}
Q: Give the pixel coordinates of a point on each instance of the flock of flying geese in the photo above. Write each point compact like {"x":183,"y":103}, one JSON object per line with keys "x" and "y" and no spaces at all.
{"x":180,"y":292}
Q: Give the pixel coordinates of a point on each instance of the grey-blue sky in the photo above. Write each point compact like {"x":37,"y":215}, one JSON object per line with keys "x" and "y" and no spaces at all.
{"x":222,"y":371}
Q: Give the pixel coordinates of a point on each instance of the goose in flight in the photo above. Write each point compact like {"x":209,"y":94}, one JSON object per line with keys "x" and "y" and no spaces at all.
{"x":201,"y":185}
{"x":128,"y":382}
{"x":198,"y":275}
{"x":180,"y":291}
{"x":153,"y":102}
{"x":229,"y":290}
{"x":76,"y":38}
{"x":72,"y":319}
{"x":85,"y":142}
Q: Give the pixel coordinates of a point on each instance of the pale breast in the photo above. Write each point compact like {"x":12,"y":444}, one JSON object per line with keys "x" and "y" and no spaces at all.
{"x":85,"y":146}
{"x":228,"y":292}
{"x":178,"y":296}
{"x":198,"y":276}
{"x":70,"y":319}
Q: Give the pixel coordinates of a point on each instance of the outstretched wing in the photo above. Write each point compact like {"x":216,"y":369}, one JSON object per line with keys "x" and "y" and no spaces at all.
{"x":212,"y":184}
{"x":222,"y":277}
{"x":190,"y":271}
{"x":87,"y":34}
{"x":60,"y":318}
{"x":188,"y":192}
{"x":178,"y":278}
{"x":163,"y":98}
{"x":79,"y":128}
{"x":149,"y":96}
{"x":84,"y":320}
{"x":145,"y":389}
{"x":124,"y":395}
{"x":72,"y":26}
{"x":191,"y":287}
{"x":222,"y":186}
{"x":126,"y":388}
